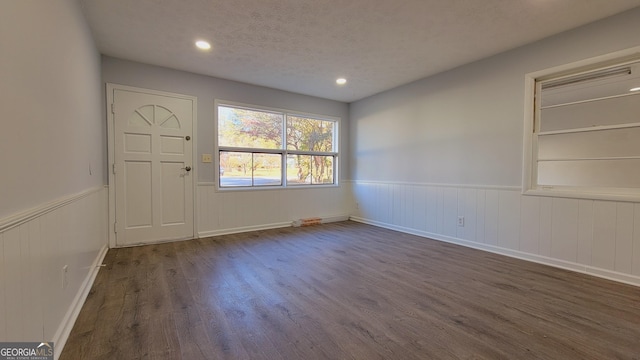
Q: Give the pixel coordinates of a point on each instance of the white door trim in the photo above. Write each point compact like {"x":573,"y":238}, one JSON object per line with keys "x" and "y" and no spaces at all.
{"x":111,"y":87}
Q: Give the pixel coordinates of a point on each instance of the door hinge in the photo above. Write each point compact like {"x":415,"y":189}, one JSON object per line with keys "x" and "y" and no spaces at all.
{"x":115,"y":227}
{"x":114,"y":168}
{"x":113,"y":108}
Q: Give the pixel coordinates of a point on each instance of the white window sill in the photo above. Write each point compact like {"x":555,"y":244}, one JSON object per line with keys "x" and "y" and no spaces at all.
{"x":585,"y":194}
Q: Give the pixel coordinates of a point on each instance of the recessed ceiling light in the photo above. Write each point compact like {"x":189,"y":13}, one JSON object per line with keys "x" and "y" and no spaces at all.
{"x":341,"y":81}
{"x":635,"y":89}
{"x":203,"y":45}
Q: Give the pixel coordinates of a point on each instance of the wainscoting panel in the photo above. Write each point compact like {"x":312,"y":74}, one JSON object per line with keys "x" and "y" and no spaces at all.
{"x":636,"y":240}
{"x":604,"y":235}
{"x":481,"y":223}
{"x":225,"y":212}
{"x":585,"y":231}
{"x":591,"y":236}
{"x":624,"y":238}
{"x":546,"y":205}
{"x":564,"y":234}
{"x":4,"y":287}
{"x":491,"y":215}
{"x":38,"y":301}
{"x":530,"y":224}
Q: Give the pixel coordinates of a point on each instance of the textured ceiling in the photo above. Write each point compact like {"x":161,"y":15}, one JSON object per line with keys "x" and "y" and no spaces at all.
{"x":304,"y":45}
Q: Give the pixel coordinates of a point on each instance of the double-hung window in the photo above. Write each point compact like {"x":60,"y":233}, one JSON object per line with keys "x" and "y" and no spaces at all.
{"x":260,"y":147}
{"x":585,"y":131}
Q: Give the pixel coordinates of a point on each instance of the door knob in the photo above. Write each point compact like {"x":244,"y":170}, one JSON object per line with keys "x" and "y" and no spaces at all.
{"x":188,"y":168}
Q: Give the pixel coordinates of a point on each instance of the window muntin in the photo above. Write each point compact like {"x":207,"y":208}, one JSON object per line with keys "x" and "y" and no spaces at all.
{"x":262,"y":148}
{"x":587,"y":130}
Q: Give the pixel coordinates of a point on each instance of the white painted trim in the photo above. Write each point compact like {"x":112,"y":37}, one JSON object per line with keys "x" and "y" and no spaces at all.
{"x":269,"y":188}
{"x":464,"y":186}
{"x":324,"y":220}
{"x":64,"y":329}
{"x":274,"y":188}
{"x":111,"y":151}
{"x":210,"y":183}
{"x":28,"y":215}
{"x":161,"y":241}
{"x":210,"y":233}
{"x":527,"y":132}
{"x":195,"y":164}
{"x":111,"y":160}
{"x":566,"y":265}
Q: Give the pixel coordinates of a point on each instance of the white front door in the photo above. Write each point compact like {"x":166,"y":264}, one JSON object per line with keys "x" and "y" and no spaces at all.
{"x":153,"y":166}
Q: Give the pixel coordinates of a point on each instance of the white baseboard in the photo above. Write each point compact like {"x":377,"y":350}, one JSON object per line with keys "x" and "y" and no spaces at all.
{"x":337,"y":218}
{"x":62,"y":334}
{"x":203,"y":234}
{"x":324,"y":220}
{"x":562,"y":264}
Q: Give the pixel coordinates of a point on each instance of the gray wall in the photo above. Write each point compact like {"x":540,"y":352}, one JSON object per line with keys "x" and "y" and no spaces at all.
{"x":465,"y":126}
{"x":50,"y":95}
{"x":206,"y":89}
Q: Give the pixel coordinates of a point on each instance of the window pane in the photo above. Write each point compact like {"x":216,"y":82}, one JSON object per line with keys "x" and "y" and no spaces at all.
{"x":590,"y":144}
{"x":267,"y":169}
{"x":600,"y":97}
{"x":298,"y":169}
{"x":309,"y":134}
{"x":613,"y":111}
{"x":235,"y":169}
{"x":614,"y":173}
{"x":322,"y":169}
{"x":307,"y":169}
{"x":597,"y":84}
{"x":239,"y":169}
{"x":249,"y":128}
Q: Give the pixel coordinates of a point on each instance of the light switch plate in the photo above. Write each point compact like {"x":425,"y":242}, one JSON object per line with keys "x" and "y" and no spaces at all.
{"x":206,"y":158}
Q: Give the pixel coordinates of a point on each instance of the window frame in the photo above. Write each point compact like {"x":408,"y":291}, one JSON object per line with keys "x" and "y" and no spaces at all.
{"x":533,"y":83}
{"x":283,"y":151}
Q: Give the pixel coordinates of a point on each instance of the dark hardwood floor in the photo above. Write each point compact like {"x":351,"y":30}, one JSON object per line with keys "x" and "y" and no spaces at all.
{"x":346,"y":291}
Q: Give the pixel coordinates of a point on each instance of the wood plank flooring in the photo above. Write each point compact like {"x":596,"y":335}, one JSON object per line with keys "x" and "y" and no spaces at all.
{"x":346,"y":291}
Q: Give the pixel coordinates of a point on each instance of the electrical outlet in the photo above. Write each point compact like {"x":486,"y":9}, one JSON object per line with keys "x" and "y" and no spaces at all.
{"x":65,"y":276}
{"x":460,"y":220}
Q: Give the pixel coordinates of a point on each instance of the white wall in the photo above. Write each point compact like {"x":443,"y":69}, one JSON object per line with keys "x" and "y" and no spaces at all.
{"x":50,"y":98}
{"x":232,"y":211}
{"x":461,"y":131}
{"x":52,"y":150}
